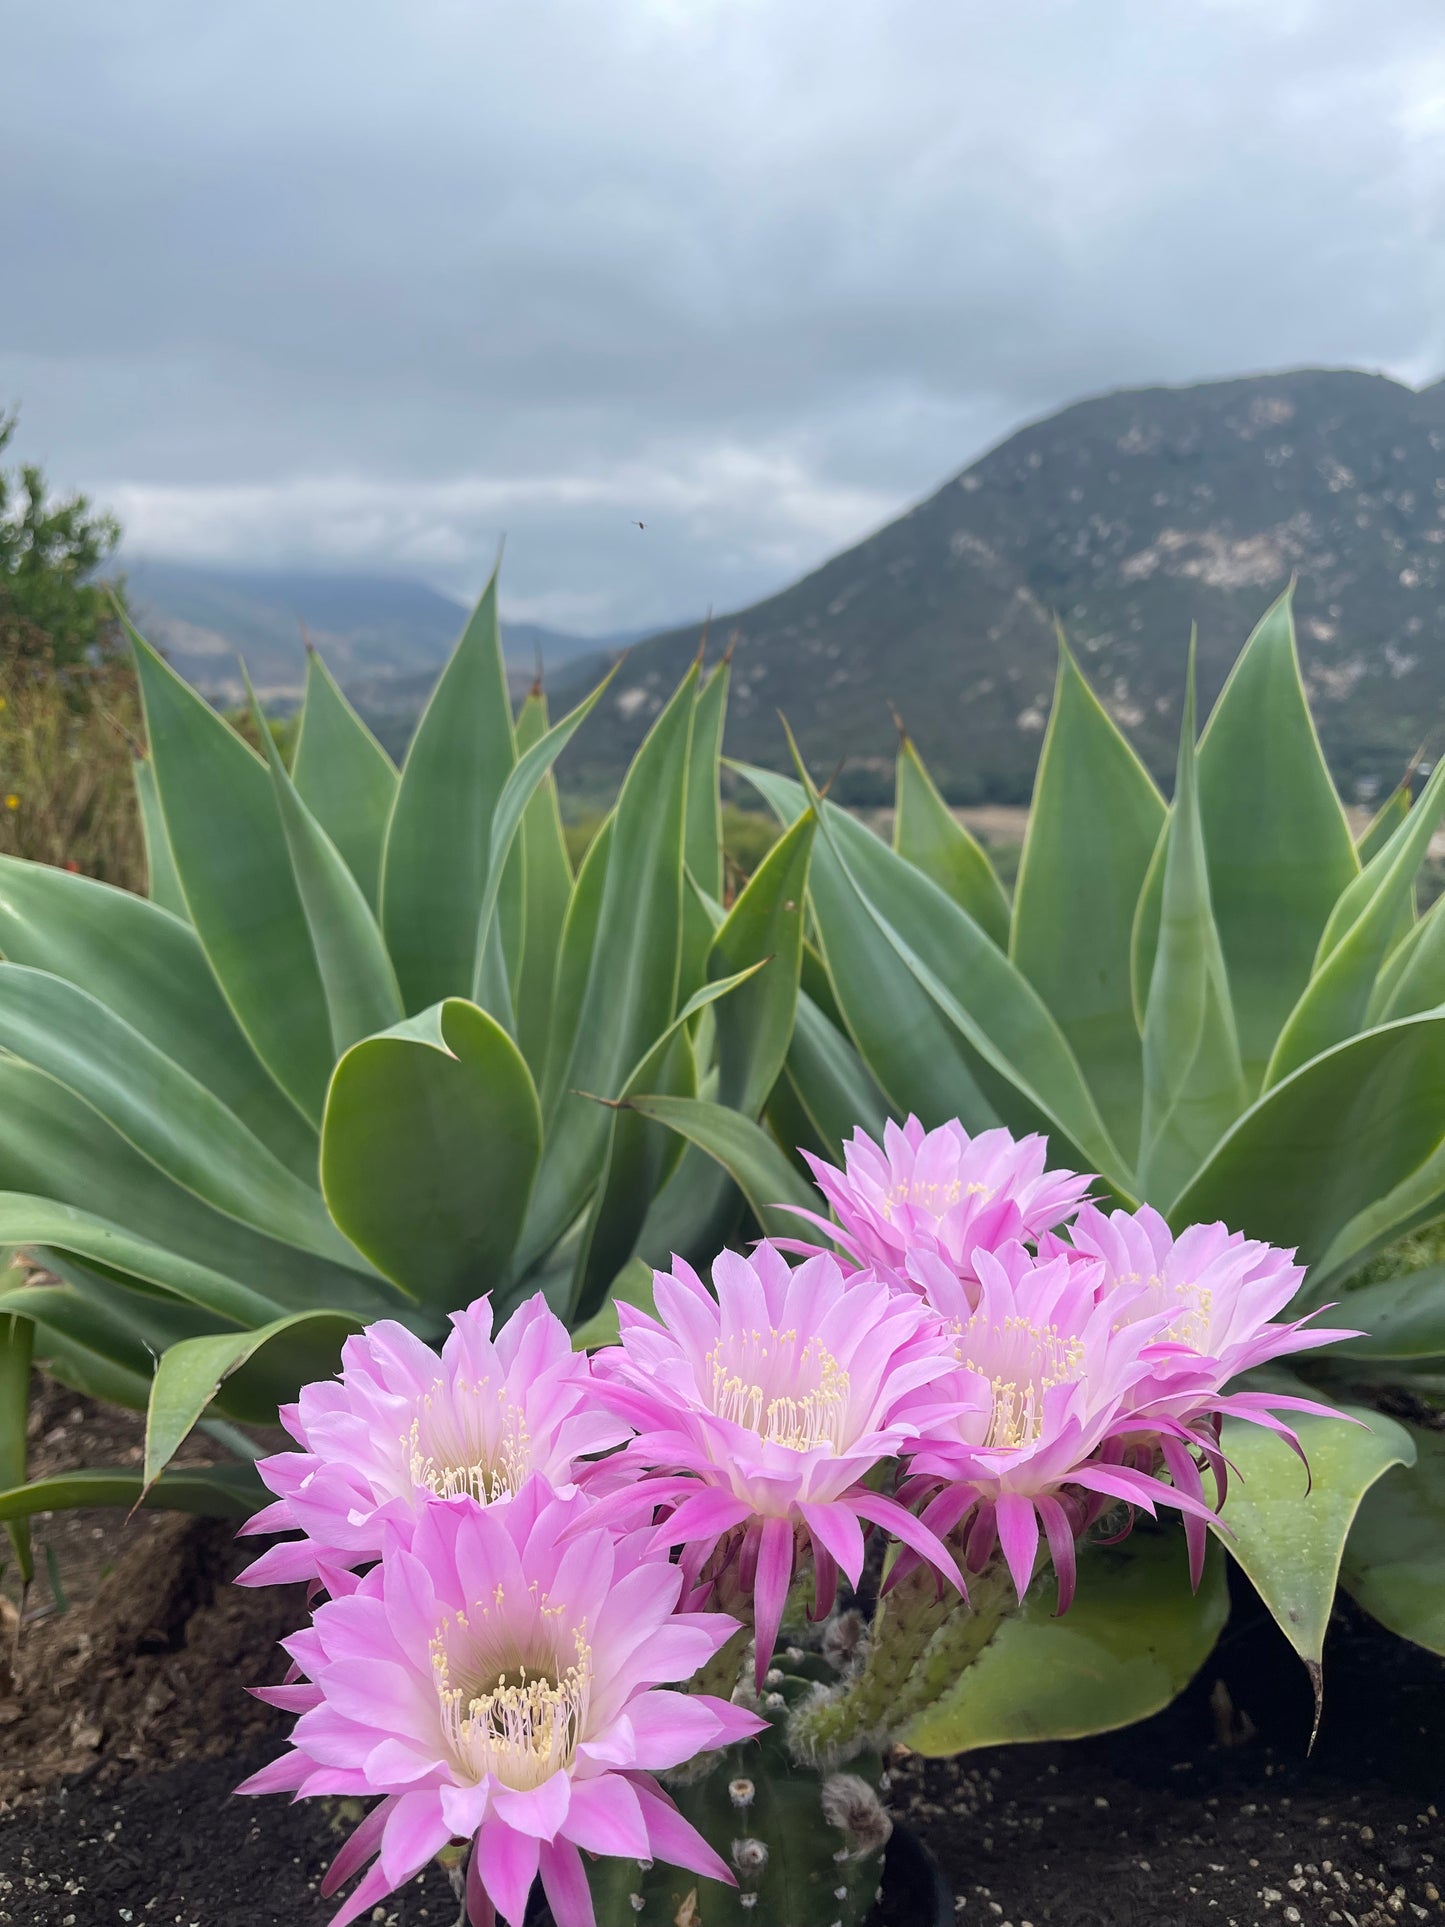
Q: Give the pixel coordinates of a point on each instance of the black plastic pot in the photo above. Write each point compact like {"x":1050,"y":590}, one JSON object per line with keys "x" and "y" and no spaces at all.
{"x":915,"y":1893}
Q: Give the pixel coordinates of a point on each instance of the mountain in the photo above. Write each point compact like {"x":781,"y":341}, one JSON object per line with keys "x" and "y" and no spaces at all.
{"x":384,"y":637}
{"x":1127,"y":517}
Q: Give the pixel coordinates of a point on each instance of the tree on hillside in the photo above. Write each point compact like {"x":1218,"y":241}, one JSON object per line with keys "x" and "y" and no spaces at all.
{"x":69,"y":712}
{"x":54,"y":605}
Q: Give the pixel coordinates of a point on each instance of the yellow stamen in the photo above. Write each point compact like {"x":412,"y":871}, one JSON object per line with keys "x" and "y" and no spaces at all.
{"x":521,"y":1729}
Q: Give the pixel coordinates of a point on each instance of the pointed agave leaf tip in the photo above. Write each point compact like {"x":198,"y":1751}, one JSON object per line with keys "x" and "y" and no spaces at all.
{"x":898,"y":724}
{"x":733,"y":640}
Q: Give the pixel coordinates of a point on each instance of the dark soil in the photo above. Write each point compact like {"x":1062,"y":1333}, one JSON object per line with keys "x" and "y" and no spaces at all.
{"x":118,"y":1756}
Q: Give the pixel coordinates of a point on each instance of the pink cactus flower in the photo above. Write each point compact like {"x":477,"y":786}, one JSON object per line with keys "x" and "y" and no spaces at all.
{"x":941,"y":1194}
{"x":1043,"y":1384}
{"x":401,"y":1426}
{"x":761,"y":1411}
{"x":496,"y":1679}
{"x":1218,"y":1293}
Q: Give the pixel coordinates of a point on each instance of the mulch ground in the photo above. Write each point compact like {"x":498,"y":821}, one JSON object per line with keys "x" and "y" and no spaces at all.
{"x":119,"y":1751}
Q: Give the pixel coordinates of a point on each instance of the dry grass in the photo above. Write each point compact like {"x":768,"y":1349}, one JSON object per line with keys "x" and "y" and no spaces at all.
{"x":66,"y":792}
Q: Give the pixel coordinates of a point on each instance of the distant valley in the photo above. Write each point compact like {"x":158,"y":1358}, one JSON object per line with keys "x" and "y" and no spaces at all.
{"x":384,"y":637}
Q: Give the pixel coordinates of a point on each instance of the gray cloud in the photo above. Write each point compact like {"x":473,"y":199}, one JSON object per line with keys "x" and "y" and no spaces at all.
{"x":365,"y":283}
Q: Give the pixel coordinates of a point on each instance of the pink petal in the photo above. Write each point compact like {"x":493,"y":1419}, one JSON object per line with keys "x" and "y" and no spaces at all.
{"x":607,"y":1818}
{"x":281,"y":1776}
{"x":281,"y":1565}
{"x":770,"y":1589}
{"x":1061,"y":1548}
{"x":1018,"y":1537}
{"x":674,"y":1839}
{"x":506,"y":1866}
{"x":364,"y":1897}
{"x":538,"y":1811}
{"x":415,"y":1831}
{"x":706,"y":1513}
{"x":836,"y":1528}
{"x":480,"y":1911}
{"x":912,"y":1532}
{"x":565,"y":1885}
{"x":357,"y":1851}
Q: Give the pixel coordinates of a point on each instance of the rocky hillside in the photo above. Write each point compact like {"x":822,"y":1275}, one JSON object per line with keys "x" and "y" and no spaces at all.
{"x":1127,"y":517}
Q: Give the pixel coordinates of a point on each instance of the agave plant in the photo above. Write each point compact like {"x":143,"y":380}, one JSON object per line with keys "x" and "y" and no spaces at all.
{"x":346,"y":1060}
{"x":1226,"y":1007}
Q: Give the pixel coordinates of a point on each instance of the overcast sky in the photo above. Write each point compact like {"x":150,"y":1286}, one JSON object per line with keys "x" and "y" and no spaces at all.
{"x":363,"y":284}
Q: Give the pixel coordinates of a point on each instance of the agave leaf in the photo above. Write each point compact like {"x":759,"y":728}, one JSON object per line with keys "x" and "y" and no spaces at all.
{"x":17,"y":1344}
{"x":1394,"y":1562}
{"x":89,"y":1373}
{"x":830,"y":1082}
{"x":1384,"y":823}
{"x":1271,"y":818}
{"x":547,"y":890}
{"x":53,"y":1144}
{"x":42,"y":1223}
{"x":163,"y":883}
{"x":902,"y":1037}
{"x":128,"y":1327}
{"x":1130,"y":1643}
{"x":871,"y":905}
{"x":1193,"y":1083}
{"x":1336,"y":1000}
{"x":928,"y":835}
{"x":1415,"y":1199}
{"x":429,"y":1150}
{"x":631,"y":1286}
{"x":360,"y":984}
{"x":160,"y":1108}
{"x":492,"y":989}
{"x":747,"y":1033}
{"x":149,"y":968}
{"x":1277,"y":844}
{"x":232,"y":860}
{"x":702,"y":833}
{"x":1413,"y":978}
{"x":1399,"y":1318}
{"x":574,"y":962}
{"x":1287,"y":1528}
{"x":631,"y":984}
{"x":1328,"y":1142}
{"x":1093,"y":829}
{"x":766,"y":923}
{"x":750,"y":1157}
{"x":221,"y":1491}
{"x":642,"y":1157}
{"x":344,"y":777}
{"x":264,"y":1368}
{"x":434,"y":866}
{"x":1397,"y":859}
